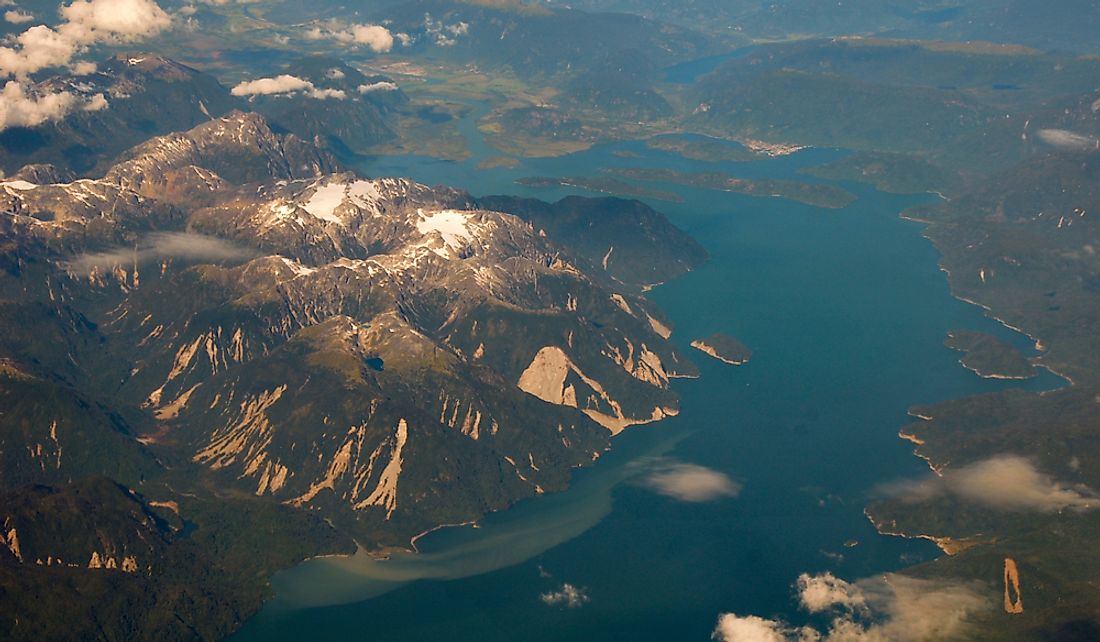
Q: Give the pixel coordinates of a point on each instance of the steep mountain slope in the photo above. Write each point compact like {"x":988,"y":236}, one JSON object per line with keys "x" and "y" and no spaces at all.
{"x":145,"y":95}
{"x":228,"y":324}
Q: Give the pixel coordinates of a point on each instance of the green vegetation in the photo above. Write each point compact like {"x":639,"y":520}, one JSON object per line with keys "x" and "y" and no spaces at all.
{"x":628,"y":241}
{"x":897,"y":173}
{"x":962,"y":110}
{"x":1022,"y":243}
{"x":820,"y":195}
{"x":427,"y":129}
{"x":704,"y":149}
{"x":989,"y":356}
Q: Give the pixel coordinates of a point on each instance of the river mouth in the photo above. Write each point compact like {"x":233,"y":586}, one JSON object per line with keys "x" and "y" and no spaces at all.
{"x":845,"y":311}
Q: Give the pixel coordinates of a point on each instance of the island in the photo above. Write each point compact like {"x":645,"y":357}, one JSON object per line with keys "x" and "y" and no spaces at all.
{"x":600,"y":184}
{"x":724,"y":348}
{"x":816,"y":194}
{"x":989,"y":356}
{"x":704,"y":149}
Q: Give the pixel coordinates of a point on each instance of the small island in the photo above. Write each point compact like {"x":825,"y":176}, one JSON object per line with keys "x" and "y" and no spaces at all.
{"x":989,"y":356}
{"x":600,"y":184}
{"x":724,"y":348}
{"x":817,"y":194}
{"x":705,"y":149}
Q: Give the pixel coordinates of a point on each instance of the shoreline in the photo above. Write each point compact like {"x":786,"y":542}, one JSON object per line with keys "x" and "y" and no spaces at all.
{"x":946,"y":544}
{"x":412,"y":542}
{"x":994,"y":375}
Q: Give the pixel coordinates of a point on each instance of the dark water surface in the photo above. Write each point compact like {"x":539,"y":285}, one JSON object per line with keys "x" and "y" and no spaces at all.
{"x":846,"y":313}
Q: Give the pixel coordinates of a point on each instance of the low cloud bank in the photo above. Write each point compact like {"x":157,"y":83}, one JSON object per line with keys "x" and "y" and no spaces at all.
{"x":1003,"y":482}
{"x":159,"y":246}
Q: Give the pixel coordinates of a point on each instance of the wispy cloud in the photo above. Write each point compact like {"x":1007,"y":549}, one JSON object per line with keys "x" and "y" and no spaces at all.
{"x":1065,"y":139}
{"x":689,"y":482}
{"x":161,"y":245}
{"x":17,"y":17}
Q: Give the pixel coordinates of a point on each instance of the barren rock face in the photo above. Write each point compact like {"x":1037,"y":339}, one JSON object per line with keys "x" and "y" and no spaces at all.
{"x":392,"y":355}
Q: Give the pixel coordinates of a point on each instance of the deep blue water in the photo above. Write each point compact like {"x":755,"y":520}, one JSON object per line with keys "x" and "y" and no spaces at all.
{"x":846,"y":312}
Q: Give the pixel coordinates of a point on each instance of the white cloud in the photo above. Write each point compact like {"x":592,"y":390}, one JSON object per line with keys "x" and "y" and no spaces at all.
{"x":375,"y":37}
{"x":444,"y":35}
{"x":334,"y":74}
{"x":37,"y":48}
{"x":20,"y":108}
{"x":568,"y":596}
{"x":750,"y":628}
{"x":1065,"y":139}
{"x":891,"y":608}
{"x":96,"y":103}
{"x":1003,"y":482}
{"x":17,"y":17}
{"x":689,"y":482}
{"x":285,"y":85}
{"x":321,"y":94}
{"x":113,"y":20}
{"x":84,"y":68}
{"x":84,"y":23}
{"x":282,"y":84}
{"x":377,"y":86}
{"x":822,"y":592}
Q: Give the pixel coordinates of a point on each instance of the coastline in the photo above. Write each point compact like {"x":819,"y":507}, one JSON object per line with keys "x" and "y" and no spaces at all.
{"x":702,"y":346}
{"x":947,"y":545}
{"x":412,"y":542}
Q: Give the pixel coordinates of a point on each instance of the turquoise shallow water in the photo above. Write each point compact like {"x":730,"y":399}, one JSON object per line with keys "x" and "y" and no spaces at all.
{"x":846,"y":312}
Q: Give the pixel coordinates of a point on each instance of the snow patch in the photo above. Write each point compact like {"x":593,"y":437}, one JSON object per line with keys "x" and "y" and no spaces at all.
{"x":20,"y":185}
{"x":453,"y":226}
{"x":325,"y":200}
